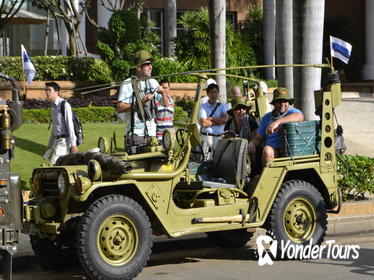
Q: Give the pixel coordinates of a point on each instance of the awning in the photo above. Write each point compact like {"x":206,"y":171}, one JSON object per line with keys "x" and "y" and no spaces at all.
{"x":27,"y":17}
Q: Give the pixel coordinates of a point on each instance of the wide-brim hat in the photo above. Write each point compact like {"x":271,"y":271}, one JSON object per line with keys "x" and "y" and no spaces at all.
{"x":141,"y":57}
{"x":235,"y":104}
{"x":281,"y":94}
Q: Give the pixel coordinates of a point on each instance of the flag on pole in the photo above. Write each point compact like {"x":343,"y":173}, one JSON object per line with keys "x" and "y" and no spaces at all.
{"x":28,"y":68}
{"x":340,"y":49}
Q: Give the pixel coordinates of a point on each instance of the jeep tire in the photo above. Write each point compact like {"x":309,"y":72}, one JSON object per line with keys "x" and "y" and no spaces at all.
{"x":114,"y":238}
{"x":298,"y":214}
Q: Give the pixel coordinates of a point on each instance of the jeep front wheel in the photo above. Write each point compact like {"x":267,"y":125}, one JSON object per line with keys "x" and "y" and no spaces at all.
{"x":114,"y":238}
{"x":298,"y":214}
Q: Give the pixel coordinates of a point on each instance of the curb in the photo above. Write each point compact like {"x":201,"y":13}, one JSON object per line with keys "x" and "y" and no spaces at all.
{"x":355,"y":217}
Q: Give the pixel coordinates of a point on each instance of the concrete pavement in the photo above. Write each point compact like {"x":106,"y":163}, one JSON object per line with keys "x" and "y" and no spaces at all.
{"x":356,"y":115}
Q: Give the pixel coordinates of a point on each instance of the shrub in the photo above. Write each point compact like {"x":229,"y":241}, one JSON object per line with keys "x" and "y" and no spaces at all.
{"x":193,"y":44}
{"x":60,"y":68}
{"x":180,"y":115}
{"x":85,"y":114}
{"x":186,"y":105}
{"x":165,"y":66}
{"x":75,"y":102}
{"x":118,"y":44}
{"x":358,"y":174}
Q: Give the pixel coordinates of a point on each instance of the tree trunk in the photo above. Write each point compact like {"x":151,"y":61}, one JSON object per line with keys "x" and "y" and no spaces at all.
{"x":269,"y":38}
{"x":170,"y":26}
{"x":284,"y":43}
{"x":308,"y":42}
{"x":47,"y":33}
{"x":72,"y":40}
{"x":217,"y":22}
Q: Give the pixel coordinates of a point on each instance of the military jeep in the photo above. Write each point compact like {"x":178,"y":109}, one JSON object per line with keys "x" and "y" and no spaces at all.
{"x":102,"y":208}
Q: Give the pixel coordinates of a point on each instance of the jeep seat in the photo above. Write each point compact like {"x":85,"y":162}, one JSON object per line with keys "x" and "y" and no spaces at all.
{"x":230,"y":163}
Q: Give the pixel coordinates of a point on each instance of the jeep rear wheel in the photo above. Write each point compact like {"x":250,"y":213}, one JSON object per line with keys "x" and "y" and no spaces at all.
{"x":114,"y":239}
{"x":227,"y":239}
{"x":298,"y":214}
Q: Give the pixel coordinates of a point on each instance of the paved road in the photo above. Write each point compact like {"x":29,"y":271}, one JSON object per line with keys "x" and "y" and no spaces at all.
{"x":197,"y":258}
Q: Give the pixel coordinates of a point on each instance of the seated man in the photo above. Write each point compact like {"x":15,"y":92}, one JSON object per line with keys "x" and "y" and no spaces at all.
{"x":212,"y":118}
{"x":270,"y":122}
{"x":240,"y":124}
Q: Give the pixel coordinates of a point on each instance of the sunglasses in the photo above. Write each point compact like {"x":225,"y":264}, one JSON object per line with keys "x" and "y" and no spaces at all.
{"x":147,"y":63}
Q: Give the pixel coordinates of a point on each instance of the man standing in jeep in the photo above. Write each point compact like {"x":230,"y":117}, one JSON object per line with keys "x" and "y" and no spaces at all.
{"x":137,"y":131}
{"x":270,"y":122}
{"x":63,"y":139}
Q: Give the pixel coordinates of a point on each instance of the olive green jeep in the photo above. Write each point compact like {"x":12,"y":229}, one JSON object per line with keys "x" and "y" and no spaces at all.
{"x":102,"y":208}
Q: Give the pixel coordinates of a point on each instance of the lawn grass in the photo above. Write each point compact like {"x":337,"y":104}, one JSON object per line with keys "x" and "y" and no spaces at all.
{"x":32,"y":139}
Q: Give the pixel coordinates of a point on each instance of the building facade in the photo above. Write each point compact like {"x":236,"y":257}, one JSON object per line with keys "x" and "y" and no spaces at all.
{"x":354,"y":16}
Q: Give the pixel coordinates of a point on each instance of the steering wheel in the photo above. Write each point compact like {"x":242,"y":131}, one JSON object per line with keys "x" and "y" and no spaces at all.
{"x":180,"y":135}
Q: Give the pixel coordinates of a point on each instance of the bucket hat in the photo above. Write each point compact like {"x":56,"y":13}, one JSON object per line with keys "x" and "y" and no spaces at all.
{"x":281,"y":94}
{"x":235,"y":104}
{"x":140,"y":57}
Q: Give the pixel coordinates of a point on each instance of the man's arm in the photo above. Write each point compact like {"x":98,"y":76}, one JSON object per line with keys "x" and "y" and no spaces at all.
{"x":206,"y":122}
{"x":220,"y":120}
{"x":294,"y":117}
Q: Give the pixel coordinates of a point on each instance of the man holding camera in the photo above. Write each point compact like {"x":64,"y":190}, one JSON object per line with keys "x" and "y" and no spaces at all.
{"x":137,"y":131}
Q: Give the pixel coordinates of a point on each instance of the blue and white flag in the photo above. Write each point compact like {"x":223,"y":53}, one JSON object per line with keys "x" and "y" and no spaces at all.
{"x":28,"y":68}
{"x":340,"y":49}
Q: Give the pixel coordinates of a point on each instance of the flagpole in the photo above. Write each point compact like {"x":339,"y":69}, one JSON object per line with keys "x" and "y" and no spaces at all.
{"x":332,"y":62}
{"x":23,"y":76}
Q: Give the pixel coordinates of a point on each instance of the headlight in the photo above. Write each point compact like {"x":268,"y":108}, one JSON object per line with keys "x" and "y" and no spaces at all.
{"x":94,"y":170}
{"x":83,"y":184}
{"x":168,"y":140}
{"x":61,"y":183}
{"x":36,"y":182}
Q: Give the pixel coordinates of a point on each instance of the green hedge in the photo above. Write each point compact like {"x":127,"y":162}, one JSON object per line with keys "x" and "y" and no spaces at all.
{"x":89,"y":114}
{"x":358,"y":174}
{"x":86,"y":114}
{"x":65,"y":68}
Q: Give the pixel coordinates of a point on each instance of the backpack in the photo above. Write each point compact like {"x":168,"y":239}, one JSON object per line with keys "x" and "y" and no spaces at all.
{"x":78,"y":128}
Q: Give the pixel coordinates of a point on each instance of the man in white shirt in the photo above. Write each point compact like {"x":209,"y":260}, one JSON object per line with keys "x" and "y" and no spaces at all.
{"x":62,"y":139}
{"x":137,"y":131}
{"x":212,"y":118}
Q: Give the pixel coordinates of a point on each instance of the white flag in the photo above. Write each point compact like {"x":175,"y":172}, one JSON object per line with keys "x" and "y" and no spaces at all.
{"x":340,"y":49}
{"x":28,"y":67}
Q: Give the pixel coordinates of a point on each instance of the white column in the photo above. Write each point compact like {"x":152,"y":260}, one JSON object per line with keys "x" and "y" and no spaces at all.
{"x":217,"y":15}
{"x":170,"y":26}
{"x":103,"y":14}
{"x":368,"y":69}
{"x":269,"y":37}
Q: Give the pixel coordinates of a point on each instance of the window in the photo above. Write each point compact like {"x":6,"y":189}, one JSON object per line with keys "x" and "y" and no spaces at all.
{"x":232,"y":17}
{"x":155,"y":19}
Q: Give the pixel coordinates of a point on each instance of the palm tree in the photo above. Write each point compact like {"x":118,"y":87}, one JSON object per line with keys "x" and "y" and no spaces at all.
{"x":170,"y":26}
{"x":308,"y":40}
{"x":284,"y":43}
{"x":269,"y":37}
